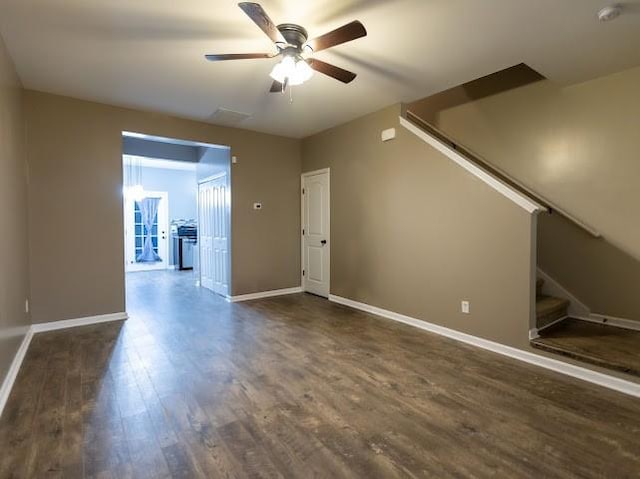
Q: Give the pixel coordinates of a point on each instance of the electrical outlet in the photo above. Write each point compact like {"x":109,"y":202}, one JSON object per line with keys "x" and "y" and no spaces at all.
{"x":26,"y":305}
{"x":464,"y":305}
{"x":257,"y":206}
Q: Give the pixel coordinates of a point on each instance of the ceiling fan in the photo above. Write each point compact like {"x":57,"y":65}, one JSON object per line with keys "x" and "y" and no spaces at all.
{"x":297,"y":64}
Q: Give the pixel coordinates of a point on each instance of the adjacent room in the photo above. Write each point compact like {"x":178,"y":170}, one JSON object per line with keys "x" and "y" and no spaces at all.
{"x":177,"y":215}
{"x":333,"y":238}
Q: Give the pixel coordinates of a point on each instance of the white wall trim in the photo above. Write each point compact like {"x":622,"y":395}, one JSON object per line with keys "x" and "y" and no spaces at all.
{"x":502,"y":188}
{"x":264,"y":294}
{"x":604,"y":380}
{"x":576,"y":307}
{"x":579,"y":310}
{"x":12,"y":373}
{"x":611,"y":321}
{"x":73,"y":323}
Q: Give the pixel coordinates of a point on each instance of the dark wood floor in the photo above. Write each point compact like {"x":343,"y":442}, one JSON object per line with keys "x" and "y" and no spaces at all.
{"x":295,"y":386}
{"x":602,"y":345}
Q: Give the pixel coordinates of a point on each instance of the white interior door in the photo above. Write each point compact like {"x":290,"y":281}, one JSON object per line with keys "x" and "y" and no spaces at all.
{"x":135,"y":232}
{"x":316,"y":247}
{"x":214,"y":203}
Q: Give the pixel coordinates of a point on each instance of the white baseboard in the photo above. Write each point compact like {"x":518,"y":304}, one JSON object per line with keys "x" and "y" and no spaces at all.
{"x":7,"y":384}
{"x":264,"y":294}
{"x":611,"y":321}
{"x":73,"y":323}
{"x":12,"y":374}
{"x":611,"y":382}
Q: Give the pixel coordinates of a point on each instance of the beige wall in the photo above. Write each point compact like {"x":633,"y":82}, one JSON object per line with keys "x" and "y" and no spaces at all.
{"x":14,"y":267}
{"x":414,"y":233}
{"x":577,"y":146}
{"x":76,"y":226}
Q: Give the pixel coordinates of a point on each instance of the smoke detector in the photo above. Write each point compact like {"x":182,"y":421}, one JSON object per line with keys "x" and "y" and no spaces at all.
{"x":609,"y":13}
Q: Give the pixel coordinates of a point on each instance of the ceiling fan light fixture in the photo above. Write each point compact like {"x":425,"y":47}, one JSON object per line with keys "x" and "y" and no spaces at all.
{"x":291,"y":42}
{"x":294,"y":70}
{"x":303,"y":71}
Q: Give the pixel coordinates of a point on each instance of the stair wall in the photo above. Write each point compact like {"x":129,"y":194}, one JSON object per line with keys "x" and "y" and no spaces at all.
{"x":575,"y":145}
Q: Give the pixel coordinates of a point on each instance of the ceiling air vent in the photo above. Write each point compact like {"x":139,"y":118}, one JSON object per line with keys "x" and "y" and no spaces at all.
{"x":222,"y":116}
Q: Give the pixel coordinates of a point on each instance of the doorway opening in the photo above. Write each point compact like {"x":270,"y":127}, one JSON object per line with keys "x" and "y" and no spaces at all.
{"x":176,"y":213}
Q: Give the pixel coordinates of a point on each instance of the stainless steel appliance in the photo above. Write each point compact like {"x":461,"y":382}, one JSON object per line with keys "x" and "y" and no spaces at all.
{"x":184,"y":236}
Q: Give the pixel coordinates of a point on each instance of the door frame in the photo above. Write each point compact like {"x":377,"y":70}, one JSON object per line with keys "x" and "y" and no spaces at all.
{"x":302,"y":265}
{"x":200,"y":182}
{"x":129,"y":236}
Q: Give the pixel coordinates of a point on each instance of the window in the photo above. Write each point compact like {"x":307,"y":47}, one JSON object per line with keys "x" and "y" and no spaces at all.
{"x":140,"y":230}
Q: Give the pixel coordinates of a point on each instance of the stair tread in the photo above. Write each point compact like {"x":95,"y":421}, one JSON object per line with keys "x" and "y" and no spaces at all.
{"x":549,"y":304}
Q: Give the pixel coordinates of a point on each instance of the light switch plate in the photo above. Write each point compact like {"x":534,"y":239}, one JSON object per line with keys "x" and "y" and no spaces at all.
{"x":257,"y":206}
{"x":388,"y":134}
{"x":464,"y":305}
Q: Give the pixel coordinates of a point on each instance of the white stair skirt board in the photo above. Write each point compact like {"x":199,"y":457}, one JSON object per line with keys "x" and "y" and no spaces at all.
{"x":553,"y":288}
{"x":12,"y":374}
{"x":264,"y":294}
{"x":604,"y":380}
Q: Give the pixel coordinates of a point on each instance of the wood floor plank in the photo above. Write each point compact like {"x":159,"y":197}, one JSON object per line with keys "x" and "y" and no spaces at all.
{"x":147,"y":457}
{"x":295,"y":386}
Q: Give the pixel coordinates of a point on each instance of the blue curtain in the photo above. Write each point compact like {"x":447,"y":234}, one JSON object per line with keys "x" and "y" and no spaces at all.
{"x":148,"y":209}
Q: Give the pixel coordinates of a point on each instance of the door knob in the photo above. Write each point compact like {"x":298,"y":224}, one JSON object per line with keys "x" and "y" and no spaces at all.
{"x":323,"y":242}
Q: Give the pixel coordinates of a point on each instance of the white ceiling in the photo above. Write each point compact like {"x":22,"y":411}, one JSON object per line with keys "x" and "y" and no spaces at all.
{"x":148,"y":54}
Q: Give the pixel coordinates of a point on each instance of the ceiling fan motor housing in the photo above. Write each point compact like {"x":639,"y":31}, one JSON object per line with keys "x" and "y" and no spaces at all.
{"x":294,"y":34}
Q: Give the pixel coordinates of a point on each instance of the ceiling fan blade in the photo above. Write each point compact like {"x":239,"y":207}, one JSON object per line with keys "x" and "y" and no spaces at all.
{"x":333,"y":71}
{"x":276,"y":87}
{"x":256,"y":13}
{"x":344,"y":34}
{"x":237,"y":56}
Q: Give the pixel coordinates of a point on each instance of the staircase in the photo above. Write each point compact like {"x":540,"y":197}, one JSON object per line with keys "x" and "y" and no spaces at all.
{"x":581,"y":340}
{"x":549,"y":308}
